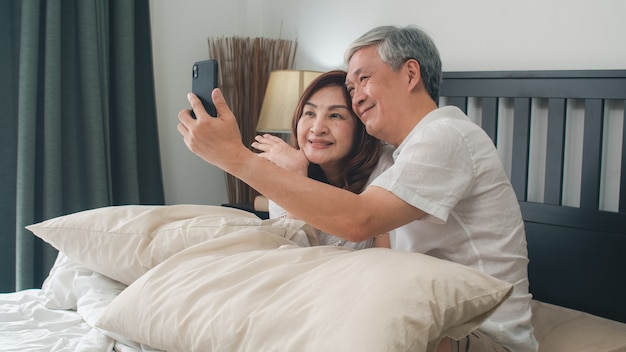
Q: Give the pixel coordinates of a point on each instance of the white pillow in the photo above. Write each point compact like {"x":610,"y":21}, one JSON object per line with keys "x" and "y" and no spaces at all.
{"x":58,"y":287}
{"x":302,"y":299}
{"x":124,"y":242}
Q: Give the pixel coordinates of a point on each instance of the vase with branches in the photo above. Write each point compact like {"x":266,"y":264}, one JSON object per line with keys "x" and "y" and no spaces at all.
{"x":245,"y":65}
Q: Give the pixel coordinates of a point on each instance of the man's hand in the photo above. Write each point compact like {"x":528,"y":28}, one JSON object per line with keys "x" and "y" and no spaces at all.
{"x":217,"y":140}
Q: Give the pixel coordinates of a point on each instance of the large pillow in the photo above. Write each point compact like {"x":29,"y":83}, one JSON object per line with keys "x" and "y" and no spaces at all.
{"x":561,"y":329}
{"x":124,"y":242}
{"x":320,"y":298}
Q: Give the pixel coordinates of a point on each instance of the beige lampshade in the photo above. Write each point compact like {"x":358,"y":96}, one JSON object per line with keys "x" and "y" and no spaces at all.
{"x":281,"y":98}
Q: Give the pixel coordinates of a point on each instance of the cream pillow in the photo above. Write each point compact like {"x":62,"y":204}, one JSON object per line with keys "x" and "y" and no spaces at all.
{"x":320,"y":298}
{"x":124,"y":242}
{"x":560,"y":329}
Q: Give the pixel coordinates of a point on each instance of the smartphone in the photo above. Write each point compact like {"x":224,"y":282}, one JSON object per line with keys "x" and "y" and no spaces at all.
{"x":204,"y":80}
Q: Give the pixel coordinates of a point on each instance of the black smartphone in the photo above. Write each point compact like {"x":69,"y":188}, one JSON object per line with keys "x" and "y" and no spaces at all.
{"x":204,"y":80}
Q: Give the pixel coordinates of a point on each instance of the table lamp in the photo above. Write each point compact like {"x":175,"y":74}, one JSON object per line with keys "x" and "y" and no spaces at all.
{"x":281,"y":98}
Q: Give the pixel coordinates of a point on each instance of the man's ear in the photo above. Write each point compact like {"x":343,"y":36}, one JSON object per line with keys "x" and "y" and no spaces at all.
{"x":413,"y":71}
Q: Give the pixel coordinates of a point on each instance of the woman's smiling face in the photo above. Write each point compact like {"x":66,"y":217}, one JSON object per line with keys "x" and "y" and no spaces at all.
{"x":326,"y":128}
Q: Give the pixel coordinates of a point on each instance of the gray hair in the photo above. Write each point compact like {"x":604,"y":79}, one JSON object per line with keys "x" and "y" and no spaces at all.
{"x":396,"y":45}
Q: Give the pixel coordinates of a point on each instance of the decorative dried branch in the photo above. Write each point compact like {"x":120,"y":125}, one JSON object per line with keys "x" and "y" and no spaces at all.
{"x":245,"y":65}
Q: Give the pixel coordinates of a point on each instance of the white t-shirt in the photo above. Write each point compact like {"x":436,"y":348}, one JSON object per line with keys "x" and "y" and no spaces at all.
{"x":448,"y":167}
{"x":385,"y":161}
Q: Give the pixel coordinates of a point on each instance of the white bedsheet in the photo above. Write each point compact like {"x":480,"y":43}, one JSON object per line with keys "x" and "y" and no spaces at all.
{"x":62,"y":315}
{"x":27,"y":325}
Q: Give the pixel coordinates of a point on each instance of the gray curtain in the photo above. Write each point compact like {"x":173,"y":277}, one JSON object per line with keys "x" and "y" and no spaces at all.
{"x":77,"y":120}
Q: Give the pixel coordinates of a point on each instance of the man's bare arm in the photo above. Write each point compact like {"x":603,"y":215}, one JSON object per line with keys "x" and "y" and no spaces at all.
{"x":354,"y":217}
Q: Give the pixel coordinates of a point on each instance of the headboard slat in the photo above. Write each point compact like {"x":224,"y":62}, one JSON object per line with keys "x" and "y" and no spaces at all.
{"x":592,"y":154}
{"x":459,"y":102}
{"x":521,"y":144}
{"x":555,"y":147}
{"x":622,"y":192}
{"x":489,"y":119}
{"x":596,"y":84}
{"x":564,"y":216}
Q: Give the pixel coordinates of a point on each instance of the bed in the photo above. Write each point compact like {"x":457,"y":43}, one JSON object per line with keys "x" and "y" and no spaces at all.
{"x":211,"y":278}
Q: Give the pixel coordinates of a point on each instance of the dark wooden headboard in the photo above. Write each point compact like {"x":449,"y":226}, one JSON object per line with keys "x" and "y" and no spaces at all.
{"x":565,"y":141}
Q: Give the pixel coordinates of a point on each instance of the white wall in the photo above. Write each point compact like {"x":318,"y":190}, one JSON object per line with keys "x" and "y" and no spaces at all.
{"x":471,"y":35}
